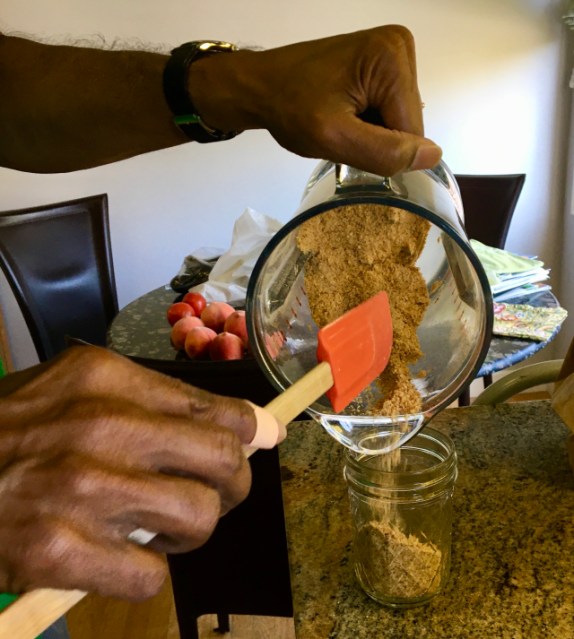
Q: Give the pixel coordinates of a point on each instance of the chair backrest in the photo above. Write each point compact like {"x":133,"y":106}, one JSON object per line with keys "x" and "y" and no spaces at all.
{"x":527,"y":377}
{"x":489,"y":202}
{"x":58,"y":262}
{"x":519,"y":380}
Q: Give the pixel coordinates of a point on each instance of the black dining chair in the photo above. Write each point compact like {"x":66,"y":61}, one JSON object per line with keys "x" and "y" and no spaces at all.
{"x":489,"y":202}
{"x":57,"y":259}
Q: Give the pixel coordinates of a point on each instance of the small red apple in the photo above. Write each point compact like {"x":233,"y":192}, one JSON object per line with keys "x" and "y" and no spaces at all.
{"x":226,"y":346}
{"x":196,"y":301}
{"x":198,"y":340}
{"x":215,"y":314}
{"x":180,"y":330}
{"x":237,"y":324}
{"x":177,"y":311}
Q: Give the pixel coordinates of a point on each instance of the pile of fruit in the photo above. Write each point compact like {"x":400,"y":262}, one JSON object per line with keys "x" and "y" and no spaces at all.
{"x":203,"y":330}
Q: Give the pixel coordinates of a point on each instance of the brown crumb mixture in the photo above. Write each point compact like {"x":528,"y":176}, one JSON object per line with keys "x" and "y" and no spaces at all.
{"x":396,"y":564}
{"x":353,"y":253}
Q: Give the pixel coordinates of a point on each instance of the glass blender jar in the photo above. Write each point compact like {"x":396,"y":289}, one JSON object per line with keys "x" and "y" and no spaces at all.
{"x":454,"y":333}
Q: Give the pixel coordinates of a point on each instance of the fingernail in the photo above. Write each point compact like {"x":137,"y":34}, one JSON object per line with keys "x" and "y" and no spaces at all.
{"x":428,"y":155}
{"x":269,"y":431}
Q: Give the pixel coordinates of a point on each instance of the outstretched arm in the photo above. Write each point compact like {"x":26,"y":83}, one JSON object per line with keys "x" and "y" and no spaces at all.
{"x":351,"y":98}
{"x":65,"y":108}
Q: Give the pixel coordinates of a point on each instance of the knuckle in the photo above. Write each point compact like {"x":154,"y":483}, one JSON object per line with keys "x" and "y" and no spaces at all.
{"x":230,"y":457}
{"x":399,"y":32}
{"x":203,"y":520}
{"x":395,"y":36}
{"x":42,"y":549}
{"x":77,"y":480}
{"x":97,"y":423}
{"x":391,"y":41}
{"x":207,"y":406}
{"x":91,"y":364}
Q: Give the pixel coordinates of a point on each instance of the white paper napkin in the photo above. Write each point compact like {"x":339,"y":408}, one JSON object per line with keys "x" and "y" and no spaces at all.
{"x":229,"y":277}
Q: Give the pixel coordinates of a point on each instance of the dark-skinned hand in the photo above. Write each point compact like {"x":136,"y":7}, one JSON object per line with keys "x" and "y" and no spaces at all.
{"x":92,"y":447}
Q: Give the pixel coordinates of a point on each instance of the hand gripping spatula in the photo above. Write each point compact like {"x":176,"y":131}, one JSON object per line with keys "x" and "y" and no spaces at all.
{"x":352,"y":352}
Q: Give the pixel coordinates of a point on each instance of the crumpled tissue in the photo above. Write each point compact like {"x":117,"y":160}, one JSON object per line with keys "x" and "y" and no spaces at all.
{"x":229,"y":277}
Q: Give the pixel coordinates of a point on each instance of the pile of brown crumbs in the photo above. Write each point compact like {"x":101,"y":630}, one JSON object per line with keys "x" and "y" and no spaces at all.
{"x":399,"y":565}
{"x":353,"y":253}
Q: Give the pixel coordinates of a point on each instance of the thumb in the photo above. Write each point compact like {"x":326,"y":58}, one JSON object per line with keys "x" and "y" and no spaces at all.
{"x":269,"y":431}
{"x":255,"y":426}
{"x":386,"y":152}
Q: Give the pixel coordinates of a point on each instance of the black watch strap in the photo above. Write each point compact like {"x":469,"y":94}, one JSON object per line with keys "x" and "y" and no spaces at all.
{"x":175,"y":89}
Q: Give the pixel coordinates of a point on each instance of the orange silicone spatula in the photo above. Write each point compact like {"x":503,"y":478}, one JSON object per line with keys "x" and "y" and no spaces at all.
{"x":352,"y":351}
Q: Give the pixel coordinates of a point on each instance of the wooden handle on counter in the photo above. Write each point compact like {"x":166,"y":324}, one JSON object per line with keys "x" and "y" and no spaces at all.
{"x":35,"y":611}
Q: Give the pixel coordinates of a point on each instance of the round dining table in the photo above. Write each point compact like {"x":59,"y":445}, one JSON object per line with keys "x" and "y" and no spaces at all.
{"x":141,"y":331}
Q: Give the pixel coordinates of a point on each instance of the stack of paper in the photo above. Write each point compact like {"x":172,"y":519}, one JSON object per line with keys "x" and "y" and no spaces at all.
{"x":511,"y":275}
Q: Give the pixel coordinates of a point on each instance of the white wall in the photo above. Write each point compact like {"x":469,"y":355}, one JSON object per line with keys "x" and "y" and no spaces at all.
{"x":492,"y":75}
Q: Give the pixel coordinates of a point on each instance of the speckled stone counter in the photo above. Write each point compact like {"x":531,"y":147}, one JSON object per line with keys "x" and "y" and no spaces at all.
{"x":512,"y":573}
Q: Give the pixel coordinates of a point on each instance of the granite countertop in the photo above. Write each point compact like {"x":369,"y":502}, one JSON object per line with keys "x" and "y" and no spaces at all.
{"x":512,"y":574}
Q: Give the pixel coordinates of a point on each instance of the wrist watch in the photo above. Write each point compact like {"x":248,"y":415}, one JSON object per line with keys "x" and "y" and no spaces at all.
{"x":176,"y":91}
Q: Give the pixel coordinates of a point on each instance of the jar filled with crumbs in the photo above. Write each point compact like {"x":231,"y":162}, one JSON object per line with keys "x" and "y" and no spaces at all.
{"x":401,"y":506}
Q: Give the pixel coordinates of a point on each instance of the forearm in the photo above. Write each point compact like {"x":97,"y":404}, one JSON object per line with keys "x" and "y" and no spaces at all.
{"x":67,"y":108}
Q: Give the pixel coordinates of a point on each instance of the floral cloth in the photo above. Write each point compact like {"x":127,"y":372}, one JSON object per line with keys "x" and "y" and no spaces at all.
{"x":527,"y":322}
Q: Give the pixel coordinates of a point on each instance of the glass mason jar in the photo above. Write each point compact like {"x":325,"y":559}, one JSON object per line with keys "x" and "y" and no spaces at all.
{"x":401,"y":505}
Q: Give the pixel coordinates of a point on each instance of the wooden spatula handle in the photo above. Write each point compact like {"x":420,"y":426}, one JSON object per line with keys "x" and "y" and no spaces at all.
{"x":35,"y":611}
{"x":306,"y":390}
